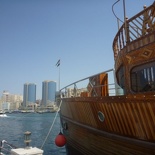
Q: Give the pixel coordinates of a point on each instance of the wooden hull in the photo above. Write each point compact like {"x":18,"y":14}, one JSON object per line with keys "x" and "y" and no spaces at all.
{"x":128,"y":127}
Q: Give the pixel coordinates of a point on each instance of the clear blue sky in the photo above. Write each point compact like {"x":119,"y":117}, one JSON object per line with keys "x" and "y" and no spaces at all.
{"x":34,"y":34}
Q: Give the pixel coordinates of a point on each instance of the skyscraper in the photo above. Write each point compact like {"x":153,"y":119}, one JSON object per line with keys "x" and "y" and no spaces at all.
{"x":48,"y":92}
{"x":29,"y":96}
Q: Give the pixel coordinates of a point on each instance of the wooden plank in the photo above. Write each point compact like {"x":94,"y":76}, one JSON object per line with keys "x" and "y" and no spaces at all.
{"x":128,"y":118}
{"x":124,"y":118}
{"x":113,"y":119}
{"x":147,"y":121}
{"x":151,"y":106}
{"x":108,"y":117}
{"x":117,"y":119}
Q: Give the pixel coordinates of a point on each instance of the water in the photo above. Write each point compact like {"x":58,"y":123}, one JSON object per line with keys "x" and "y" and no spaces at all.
{"x":12,"y":130}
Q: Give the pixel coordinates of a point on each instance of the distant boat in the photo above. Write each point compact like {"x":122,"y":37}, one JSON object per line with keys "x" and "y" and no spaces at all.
{"x":15,"y":111}
{"x":2,"y":114}
{"x":101,"y":120}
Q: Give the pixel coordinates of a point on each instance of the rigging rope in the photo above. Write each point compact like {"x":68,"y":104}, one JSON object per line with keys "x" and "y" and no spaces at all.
{"x":2,"y":146}
{"x":47,"y":134}
{"x":114,"y":12}
{"x":52,"y":124}
{"x":5,"y":151}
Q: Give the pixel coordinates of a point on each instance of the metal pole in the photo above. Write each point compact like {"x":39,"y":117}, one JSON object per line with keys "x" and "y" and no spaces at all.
{"x":124,"y":10}
{"x":59,"y":78}
{"x":125,"y":20}
{"x":118,"y":23}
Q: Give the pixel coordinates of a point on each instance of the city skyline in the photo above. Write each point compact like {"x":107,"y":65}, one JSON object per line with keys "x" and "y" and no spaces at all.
{"x":36,"y":34}
{"x":22,"y":93}
{"x":9,"y":101}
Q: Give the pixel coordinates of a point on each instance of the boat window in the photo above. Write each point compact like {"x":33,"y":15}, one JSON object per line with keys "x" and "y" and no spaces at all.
{"x":143,"y":78}
{"x":101,"y":116}
{"x":120,"y":77}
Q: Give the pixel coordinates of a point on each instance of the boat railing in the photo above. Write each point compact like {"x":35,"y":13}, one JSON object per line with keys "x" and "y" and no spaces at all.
{"x":101,"y":84}
{"x":134,"y":31}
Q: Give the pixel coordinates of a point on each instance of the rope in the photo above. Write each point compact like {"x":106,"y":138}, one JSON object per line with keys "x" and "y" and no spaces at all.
{"x":5,"y":151}
{"x":11,"y":145}
{"x":2,"y":147}
{"x":114,"y":11}
{"x":51,"y":125}
{"x":49,"y":129}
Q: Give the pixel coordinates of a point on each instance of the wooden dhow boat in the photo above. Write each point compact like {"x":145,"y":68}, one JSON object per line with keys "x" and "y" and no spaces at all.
{"x":118,"y":118}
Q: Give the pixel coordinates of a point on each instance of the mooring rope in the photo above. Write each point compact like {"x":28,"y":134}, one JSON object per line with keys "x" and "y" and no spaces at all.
{"x":52,"y":124}
{"x":47,"y":134}
{"x":5,"y":151}
{"x":2,"y":146}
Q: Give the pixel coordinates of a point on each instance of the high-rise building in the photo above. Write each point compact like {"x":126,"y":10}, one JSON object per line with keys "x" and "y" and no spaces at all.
{"x":6,"y":96}
{"x":29,"y":94}
{"x":48,"y":92}
{"x":10,"y":101}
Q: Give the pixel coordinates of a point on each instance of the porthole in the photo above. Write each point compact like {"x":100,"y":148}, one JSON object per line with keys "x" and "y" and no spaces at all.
{"x":101,"y":116}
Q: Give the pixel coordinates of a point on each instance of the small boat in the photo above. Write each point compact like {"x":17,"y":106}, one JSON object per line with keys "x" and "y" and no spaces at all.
{"x":2,"y":114}
{"x":116,"y":116}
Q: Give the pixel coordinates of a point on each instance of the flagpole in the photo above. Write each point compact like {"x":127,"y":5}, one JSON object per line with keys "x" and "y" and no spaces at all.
{"x":58,"y":65}
{"x":59,"y":98}
{"x":59,"y":78}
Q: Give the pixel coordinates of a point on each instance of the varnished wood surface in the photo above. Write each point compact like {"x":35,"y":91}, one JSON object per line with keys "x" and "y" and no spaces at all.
{"x":134,"y":44}
{"x":131,"y":116}
{"x":136,"y":32}
{"x":86,"y":141}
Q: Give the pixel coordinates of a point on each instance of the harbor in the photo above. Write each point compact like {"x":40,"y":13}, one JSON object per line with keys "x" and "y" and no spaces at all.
{"x":14,"y":126}
{"x":82,"y":77}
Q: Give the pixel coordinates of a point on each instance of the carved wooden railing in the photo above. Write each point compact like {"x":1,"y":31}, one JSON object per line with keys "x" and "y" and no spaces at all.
{"x":135,"y":30}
